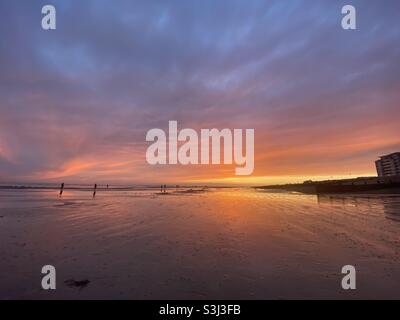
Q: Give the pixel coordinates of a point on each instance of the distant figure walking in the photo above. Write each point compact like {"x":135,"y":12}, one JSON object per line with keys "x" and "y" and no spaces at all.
{"x":107,"y":186}
{"x":161,"y":189}
{"x":61,"y":189}
{"x":94,"y":191}
{"x":165,"y":188}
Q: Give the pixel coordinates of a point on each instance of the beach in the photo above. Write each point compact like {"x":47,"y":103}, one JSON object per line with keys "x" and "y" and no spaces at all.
{"x":218,"y":243}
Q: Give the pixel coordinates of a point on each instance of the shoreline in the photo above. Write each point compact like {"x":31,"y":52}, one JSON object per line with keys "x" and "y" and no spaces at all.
{"x":358,"y":186}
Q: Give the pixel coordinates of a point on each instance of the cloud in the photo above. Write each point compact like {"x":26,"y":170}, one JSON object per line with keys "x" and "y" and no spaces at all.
{"x":113,"y":70}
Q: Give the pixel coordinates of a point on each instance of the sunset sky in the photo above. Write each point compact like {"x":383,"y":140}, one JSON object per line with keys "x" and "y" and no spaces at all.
{"x":76,"y":103}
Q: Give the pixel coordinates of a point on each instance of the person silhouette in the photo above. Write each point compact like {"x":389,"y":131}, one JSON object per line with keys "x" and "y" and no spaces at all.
{"x":94,"y":191}
{"x":165,"y":188}
{"x":61,"y":189}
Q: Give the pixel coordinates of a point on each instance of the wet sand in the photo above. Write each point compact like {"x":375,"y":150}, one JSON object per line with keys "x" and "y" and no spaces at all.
{"x":220,"y":244}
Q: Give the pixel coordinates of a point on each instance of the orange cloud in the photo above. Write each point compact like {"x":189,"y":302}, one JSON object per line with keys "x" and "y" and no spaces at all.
{"x":5,"y":154}
{"x":71,"y":168}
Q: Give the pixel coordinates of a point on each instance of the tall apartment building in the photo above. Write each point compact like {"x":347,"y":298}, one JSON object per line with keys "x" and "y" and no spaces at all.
{"x":388,"y":165}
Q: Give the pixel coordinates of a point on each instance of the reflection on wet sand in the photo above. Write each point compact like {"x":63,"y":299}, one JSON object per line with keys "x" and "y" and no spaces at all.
{"x":389,"y":205}
{"x":197,"y":244}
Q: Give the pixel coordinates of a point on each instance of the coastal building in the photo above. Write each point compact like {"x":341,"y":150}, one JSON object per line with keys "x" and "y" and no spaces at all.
{"x":388,"y":165}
